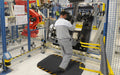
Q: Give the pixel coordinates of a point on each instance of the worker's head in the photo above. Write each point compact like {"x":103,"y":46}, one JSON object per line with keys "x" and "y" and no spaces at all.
{"x":50,"y":1}
{"x":64,"y":14}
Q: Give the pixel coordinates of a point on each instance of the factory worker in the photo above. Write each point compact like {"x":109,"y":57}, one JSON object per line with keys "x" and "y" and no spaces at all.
{"x":63,"y":26}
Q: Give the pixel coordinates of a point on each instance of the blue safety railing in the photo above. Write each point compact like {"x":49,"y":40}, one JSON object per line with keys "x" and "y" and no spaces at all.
{"x":104,"y":63}
{"x":2,"y":17}
{"x":29,"y":38}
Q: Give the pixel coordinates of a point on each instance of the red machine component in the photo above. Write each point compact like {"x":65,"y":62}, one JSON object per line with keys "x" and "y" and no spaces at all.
{"x":5,"y":3}
{"x":35,"y":18}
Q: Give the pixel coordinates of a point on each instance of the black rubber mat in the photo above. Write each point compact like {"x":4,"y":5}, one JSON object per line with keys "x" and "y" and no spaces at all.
{"x":51,"y":63}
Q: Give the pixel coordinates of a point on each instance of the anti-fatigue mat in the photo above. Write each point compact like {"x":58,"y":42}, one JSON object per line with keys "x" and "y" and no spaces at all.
{"x":51,"y":63}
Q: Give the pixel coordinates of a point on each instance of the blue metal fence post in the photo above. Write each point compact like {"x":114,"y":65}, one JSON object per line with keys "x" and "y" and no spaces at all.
{"x":45,"y":33}
{"x":46,"y":12}
{"x":12,"y":30}
{"x":104,"y":30}
{"x":3,"y":30}
{"x":104,"y":67}
{"x":107,"y":13}
{"x":17,"y":35}
{"x":28,"y":28}
{"x":0,"y":25}
{"x":52,"y":14}
{"x":0,"y":19}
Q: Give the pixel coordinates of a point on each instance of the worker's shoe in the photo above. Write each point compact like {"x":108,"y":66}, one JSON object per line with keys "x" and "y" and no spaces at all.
{"x":59,"y":70}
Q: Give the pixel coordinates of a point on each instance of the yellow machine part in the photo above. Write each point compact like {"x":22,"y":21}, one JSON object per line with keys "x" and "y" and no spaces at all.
{"x":7,"y":62}
{"x":42,"y":23}
{"x":38,"y":3}
{"x":80,"y":26}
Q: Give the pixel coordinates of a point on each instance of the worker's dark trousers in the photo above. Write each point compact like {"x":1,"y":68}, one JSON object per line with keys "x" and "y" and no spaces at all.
{"x":66,"y":47}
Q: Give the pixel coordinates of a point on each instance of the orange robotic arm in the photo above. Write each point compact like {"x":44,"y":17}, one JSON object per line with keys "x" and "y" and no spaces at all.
{"x":35,"y":18}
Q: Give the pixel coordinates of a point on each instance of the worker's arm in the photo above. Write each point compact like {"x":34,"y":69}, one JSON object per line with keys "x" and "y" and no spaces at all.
{"x":71,"y":27}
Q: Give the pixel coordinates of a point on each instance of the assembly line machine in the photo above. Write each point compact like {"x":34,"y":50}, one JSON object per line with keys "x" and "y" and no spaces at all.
{"x":38,"y":33}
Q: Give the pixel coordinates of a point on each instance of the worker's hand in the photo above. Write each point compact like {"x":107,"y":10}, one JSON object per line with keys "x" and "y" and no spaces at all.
{"x":74,"y":24}
{"x":72,"y":21}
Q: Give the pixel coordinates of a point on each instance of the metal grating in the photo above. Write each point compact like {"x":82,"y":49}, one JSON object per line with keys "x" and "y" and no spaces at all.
{"x":116,"y":47}
{"x":113,"y":36}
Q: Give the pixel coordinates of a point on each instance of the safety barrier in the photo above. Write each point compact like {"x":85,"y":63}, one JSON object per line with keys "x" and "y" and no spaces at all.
{"x":91,"y":45}
{"x":7,"y":62}
{"x":26,"y":52}
{"x":99,"y":72}
{"x":75,"y":52}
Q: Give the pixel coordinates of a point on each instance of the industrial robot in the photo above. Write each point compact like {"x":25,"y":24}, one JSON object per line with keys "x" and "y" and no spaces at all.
{"x":35,"y":18}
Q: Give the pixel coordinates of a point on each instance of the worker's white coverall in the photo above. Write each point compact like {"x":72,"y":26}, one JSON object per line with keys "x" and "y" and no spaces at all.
{"x":64,"y":39}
